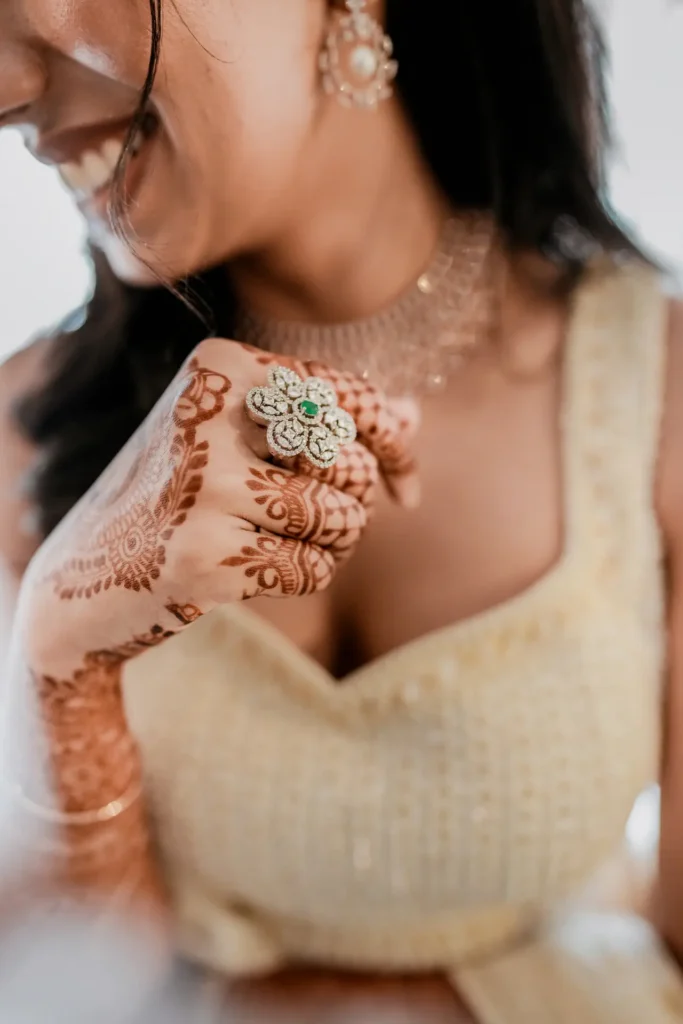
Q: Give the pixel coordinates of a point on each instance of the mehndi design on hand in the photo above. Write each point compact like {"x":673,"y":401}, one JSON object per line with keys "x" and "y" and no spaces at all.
{"x":187,"y":509}
{"x":131,"y":513}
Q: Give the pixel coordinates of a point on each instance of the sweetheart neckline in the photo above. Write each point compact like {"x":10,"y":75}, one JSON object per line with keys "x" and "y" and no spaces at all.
{"x":580,"y":324}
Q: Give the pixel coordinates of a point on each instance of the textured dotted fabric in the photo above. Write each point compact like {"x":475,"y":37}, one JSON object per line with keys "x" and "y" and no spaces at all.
{"x":437,"y":805}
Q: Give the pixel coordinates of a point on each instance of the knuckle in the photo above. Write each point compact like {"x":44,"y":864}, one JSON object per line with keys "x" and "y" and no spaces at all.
{"x":192,"y":556}
{"x":238,"y":360}
{"x":185,"y":559}
{"x":209,"y":347}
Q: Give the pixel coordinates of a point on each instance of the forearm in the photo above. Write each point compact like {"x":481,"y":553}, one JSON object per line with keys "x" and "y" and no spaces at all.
{"x":77,"y":767}
{"x":78,"y":814}
{"x":97,"y":776}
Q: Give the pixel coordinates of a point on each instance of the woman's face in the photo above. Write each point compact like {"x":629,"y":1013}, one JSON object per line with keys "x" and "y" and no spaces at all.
{"x":234,"y":109}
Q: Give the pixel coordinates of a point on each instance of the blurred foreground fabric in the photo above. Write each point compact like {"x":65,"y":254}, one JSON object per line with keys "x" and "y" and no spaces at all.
{"x":67,"y":969}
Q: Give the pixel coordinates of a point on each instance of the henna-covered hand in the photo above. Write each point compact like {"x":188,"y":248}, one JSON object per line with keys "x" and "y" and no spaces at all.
{"x":189,"y":515}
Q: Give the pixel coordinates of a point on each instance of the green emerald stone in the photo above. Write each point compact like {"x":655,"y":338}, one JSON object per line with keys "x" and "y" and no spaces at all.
{"x":309,"y":408}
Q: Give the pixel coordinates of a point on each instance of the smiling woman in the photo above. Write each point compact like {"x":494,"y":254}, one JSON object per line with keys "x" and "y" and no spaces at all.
{"x":88,"y":174}
{"x":392,"y":218}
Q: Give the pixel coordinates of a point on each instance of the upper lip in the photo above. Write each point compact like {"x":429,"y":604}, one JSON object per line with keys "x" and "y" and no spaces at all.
{"x":69,"y":145}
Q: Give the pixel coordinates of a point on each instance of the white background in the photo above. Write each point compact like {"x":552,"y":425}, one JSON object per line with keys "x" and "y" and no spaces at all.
{"x":43,"y":275}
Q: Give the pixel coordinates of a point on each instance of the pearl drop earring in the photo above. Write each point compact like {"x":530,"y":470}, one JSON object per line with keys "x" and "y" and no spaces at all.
{"x":356,"y":61}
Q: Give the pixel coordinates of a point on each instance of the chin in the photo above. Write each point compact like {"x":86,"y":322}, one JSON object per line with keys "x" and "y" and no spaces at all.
{"x":138,"y":271}
{"x":130,"y":270}
{"x":158,"y":262}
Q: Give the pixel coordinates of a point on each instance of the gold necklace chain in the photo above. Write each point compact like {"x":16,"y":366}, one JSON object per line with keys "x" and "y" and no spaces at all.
{"x":414,"y":344}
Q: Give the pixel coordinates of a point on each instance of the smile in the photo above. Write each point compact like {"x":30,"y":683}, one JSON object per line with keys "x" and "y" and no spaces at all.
{"x":90,"y":174}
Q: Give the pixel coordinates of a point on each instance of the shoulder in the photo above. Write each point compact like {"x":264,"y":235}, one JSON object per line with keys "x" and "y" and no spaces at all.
{"x":636,"y":324}
{"x":18,"y":375}
{"x":23,"y":369}
{"x":669,"y":480}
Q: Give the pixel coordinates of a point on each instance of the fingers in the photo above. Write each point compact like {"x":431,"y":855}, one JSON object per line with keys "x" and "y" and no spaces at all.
{"x":382,"y":426}
{"x":273,"y":566}
{"x":255,"y":437}
{"x":300,"y":507}
{"x":386,"y":427}
{"x":356,"y":473}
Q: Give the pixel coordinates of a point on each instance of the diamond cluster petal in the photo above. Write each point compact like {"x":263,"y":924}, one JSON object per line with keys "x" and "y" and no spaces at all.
{"x":302,"y":417}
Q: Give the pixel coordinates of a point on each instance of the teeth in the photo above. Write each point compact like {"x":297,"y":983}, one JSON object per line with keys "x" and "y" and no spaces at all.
{"x":95,"y":168}
{"x":111,"y":151}
{"x":73,"y":177}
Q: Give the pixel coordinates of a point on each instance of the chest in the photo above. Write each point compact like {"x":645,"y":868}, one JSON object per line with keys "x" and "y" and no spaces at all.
{"x":489,"y":525}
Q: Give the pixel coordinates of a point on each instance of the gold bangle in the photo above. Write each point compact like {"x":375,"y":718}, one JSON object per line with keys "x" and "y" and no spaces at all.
{"x":107,"y":813}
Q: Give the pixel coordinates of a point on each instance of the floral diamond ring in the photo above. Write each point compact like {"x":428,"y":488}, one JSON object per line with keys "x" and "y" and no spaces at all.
{"x":302,"y":416}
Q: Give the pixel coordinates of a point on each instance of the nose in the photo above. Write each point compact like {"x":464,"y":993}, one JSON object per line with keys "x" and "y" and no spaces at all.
{"x":22,"y":81}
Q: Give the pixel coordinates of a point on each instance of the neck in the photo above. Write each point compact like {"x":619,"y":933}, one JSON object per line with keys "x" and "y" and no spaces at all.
{"x":363,"y":223}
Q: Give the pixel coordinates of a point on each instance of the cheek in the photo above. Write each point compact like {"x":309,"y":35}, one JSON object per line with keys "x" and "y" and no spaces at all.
{"x":244,"y":103}
{"x":274,"y":89}
{"x":279,"y":69}
{"x":258,"y":56}
{"x":111,"y":39}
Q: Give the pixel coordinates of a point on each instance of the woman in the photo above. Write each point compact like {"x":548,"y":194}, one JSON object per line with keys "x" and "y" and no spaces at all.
{"x":439,"y":734}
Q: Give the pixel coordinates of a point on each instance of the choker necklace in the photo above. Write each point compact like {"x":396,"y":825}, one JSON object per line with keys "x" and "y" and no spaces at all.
{"x":413,"y":345}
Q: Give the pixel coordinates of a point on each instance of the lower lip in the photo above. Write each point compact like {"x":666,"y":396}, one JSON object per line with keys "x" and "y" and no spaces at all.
{"x":98,"y":205}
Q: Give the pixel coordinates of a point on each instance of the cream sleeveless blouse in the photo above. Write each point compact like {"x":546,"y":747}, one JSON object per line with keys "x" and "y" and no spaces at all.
{"x":439,"y":803}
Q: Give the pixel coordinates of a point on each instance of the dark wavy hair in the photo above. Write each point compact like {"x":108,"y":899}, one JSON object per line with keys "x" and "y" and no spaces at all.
{"x":507,"y":99}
